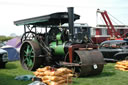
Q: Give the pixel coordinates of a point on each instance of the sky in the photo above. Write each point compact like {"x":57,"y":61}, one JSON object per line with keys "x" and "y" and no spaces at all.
{"x":13,"y":10}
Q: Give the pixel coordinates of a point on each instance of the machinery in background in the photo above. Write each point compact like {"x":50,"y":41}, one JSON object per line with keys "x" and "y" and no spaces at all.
{"x":109,"y":31}
{"x":114,"y":50}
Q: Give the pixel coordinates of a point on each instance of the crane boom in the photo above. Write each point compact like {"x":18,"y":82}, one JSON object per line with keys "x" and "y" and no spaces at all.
{"x":111,"y":29}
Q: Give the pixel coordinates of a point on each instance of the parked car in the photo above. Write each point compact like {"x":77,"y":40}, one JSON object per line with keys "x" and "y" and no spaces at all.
{"x":114,"y":50}
{"x":2,"y":43}
{"x":3,"y":58}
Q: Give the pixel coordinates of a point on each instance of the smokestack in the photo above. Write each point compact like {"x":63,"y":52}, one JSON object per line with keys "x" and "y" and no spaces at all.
{"x":71,"y":23}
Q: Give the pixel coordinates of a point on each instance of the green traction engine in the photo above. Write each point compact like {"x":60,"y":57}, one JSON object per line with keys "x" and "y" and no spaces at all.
{"x":54,"y":40}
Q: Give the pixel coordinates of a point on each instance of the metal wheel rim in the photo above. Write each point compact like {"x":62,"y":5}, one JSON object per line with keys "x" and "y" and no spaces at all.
{"x":29,"y":53}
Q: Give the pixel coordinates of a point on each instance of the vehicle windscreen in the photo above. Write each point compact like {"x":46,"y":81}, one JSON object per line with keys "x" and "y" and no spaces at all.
{"x":113,"y":45}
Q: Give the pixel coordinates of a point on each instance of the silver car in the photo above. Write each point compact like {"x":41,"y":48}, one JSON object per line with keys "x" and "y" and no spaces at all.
{"x":3,"y":58}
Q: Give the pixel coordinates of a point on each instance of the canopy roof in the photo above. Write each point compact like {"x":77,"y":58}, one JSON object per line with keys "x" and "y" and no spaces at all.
{"x":51,"y":19}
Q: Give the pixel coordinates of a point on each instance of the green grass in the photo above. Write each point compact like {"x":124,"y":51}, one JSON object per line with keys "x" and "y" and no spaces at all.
{"x":109,"y":76}
{"x":12,"y":70}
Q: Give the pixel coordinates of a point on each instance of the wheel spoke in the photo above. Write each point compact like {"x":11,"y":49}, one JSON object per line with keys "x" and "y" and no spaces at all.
{"x":31,"y":53}
{"x":25,"y":51}
{"x":32,"y":56}
{"x":27,"y":61}
{"x":25,"y":55}
{"x":28,"y":47}
{"x":28,"y":53}
{"x":30,"y":63}
{"x":31,"y":50}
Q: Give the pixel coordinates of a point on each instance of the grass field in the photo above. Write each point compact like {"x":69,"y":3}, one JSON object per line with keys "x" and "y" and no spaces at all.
{"x":109,"y":76}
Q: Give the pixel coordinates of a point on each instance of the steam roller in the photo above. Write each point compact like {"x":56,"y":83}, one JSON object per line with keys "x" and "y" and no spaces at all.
{"x":59,"y":45}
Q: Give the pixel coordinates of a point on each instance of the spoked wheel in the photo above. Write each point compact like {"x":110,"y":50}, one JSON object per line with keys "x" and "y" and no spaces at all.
{"x":28,"y":36}
{"x":29,"y":55}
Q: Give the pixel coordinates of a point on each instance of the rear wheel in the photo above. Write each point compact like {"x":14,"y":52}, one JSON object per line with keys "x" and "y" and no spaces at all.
{"x":29,"y":55}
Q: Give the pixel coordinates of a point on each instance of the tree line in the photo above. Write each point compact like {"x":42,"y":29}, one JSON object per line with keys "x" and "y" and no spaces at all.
{"x":5,"y":38}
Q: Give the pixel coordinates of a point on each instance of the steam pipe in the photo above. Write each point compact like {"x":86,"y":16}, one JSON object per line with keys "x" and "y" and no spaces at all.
{"x":71,"y":23}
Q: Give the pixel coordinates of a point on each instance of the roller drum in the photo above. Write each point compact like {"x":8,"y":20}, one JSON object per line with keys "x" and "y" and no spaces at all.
{"x":92,"y":62}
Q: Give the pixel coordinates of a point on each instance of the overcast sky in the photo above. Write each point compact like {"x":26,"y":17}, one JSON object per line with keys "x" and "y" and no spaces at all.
{"x":12,"y":10}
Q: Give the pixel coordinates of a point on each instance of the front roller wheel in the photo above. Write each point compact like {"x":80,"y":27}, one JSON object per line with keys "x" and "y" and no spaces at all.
{"x":29,"y":55}
{"x":91,"y":62}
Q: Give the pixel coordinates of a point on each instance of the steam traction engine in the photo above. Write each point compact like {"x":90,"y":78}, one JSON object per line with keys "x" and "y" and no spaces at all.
{"x":57,"y":47}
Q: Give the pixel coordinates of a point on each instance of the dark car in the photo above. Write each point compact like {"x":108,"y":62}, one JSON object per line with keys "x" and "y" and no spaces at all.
{"x":3,"y":58}
{"x":114,"y":50}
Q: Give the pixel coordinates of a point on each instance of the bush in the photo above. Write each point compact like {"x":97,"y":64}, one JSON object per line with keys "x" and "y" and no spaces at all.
{"x":4,"y":38}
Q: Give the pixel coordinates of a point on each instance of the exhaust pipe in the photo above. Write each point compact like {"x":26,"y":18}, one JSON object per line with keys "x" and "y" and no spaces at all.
{"x":71,"y":23}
